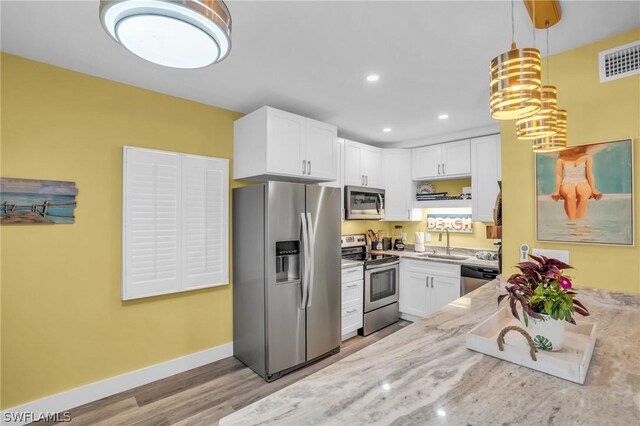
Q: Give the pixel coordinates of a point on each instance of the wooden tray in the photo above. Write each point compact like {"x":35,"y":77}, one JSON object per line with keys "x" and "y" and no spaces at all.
{"x":570,"y":363}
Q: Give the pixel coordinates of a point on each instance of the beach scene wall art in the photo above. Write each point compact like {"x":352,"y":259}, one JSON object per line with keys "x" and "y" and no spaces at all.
{"x":25,"y":201}
{"x":585,"y":194}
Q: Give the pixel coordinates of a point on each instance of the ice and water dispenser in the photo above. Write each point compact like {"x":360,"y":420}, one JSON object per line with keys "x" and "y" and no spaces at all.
{"x":287,"y":261}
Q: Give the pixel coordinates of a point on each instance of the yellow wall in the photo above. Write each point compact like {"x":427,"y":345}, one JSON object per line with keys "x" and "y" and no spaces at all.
{"x":476,"y":239}
{"x":596,"y":112}
{"x":63,"y":323}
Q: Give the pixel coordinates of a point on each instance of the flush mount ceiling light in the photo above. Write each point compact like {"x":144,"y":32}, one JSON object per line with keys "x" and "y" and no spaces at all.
{"x":179,"y":34}
{"x":386,"y":129}
{"x":373,"y":77}
{"x":515,"y":81}
{"x":443,"y":116}
{"x":557,"y":142}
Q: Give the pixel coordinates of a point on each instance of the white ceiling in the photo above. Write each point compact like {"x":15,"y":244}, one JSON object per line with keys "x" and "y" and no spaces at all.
{"x":311,"y":58}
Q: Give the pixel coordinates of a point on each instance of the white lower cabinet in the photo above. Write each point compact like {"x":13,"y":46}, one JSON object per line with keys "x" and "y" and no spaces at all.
{"x":352,"y":301}
{"x":426,"y":287}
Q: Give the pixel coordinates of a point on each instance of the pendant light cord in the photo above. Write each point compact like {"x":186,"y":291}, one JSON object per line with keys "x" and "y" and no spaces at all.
{"x":513,"y":25}
{"x":533,"y":7}
{"x":546,"y":24}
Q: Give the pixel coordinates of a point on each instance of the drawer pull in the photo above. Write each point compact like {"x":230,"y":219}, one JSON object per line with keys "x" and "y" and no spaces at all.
{"x":352,"y":285}
{"x":352,"y":311}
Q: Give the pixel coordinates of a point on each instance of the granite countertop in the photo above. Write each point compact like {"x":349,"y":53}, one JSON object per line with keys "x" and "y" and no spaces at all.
{"x":350,"y":263}
{"x":471,"y":259}
{"x":423,"y":374}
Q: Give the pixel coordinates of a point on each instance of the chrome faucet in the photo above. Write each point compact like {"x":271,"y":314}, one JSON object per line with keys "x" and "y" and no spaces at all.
{"x":440,"y":239}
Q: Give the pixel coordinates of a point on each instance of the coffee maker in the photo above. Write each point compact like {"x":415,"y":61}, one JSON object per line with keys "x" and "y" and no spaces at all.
{"x":398,"y":244}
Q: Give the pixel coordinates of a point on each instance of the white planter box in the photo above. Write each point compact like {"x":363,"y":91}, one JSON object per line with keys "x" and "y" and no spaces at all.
{"x":570,"y":363}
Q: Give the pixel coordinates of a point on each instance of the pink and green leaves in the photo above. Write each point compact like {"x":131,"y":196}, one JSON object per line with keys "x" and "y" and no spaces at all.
{"x":541,"y":288}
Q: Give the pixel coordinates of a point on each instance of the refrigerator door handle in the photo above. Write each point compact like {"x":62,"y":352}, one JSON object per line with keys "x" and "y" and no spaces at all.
{"x":312,"y":243}
{"x":305,"y":248}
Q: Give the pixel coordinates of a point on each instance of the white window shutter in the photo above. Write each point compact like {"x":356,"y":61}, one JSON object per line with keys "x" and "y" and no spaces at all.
{"x":205,"y":220}
{"x":151,"y":224}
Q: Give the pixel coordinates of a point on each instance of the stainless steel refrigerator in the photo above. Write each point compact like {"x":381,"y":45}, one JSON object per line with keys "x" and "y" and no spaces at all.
{"x":286,"y":275}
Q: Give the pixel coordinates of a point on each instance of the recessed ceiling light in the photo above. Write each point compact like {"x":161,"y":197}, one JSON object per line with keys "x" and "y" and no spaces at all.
{"x":443,"y":116}
{"x":386,"y":129}
{"x":186,"y":34}
{"x":373,"y":77}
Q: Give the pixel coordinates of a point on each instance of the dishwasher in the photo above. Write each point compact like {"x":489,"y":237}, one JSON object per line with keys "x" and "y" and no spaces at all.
{"x":474,"y":277}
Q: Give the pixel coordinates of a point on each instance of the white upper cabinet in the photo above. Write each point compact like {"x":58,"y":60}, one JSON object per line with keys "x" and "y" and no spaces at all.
{"x":442,"y":161}
{"x":321,"y":150}
{"x":485,"y":174}
{"x":278,"y":145}
{"x":398,"y":186}
{"x":363,"y":165}
{"x":284,"y":141}
{"x":372,"y":167}
{"x":456,"y":158}
{"x":352,"y":162}
{"x":425,"y":162}
{"x":338,"y":183}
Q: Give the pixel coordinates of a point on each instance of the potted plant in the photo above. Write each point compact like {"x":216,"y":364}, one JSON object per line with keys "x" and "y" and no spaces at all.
{"x":547,"y":300}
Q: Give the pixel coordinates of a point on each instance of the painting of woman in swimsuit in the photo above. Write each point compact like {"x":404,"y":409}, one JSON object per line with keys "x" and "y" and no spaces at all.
{"x":585,"y":194}
{"x":575,"y":183}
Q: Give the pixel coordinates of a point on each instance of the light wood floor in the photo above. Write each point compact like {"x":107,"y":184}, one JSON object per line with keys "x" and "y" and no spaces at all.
{"x":204,"y":395}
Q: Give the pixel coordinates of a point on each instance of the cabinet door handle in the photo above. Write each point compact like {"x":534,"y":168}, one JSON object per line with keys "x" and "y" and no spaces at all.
{"x":352,"y":285}
{"x":304,"y":167}
{"x":352,"y":311}
{"x":366,"y":180}
{"x":443,"y":172}
{"x":361,"y":180}
{"x":427,"y":282}
{"x":431,"y":282}
{"x":408,"y":213}
{"x":309,"y":164}
{"x":438,"y":168}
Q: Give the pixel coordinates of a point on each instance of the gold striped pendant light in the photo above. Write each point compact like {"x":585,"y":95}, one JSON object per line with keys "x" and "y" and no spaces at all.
{"x":515,"y":81}
{"x":557,"y":142}
{"x":543,"y":124}
{"x":515,"y":84}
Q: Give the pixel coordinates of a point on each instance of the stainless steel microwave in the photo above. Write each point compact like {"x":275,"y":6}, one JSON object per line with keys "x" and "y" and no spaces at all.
{"x":363,"y":203}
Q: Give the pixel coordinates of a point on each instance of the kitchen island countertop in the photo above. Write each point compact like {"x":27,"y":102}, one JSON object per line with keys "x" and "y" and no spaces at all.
{"x":423,"y":374}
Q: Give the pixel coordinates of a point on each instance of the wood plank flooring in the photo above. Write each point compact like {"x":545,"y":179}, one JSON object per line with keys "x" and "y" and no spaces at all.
{"x":204,"y":395}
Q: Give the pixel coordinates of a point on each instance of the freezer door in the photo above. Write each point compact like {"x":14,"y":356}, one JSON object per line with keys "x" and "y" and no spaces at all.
{"x":324,"y":300}
{"x":285,"y":328}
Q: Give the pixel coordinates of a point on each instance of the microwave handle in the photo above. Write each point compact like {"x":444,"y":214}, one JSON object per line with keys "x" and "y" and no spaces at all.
{"x":379,"y":203}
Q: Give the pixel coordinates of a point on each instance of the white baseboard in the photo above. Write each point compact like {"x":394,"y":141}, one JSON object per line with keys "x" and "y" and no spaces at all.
{"x":92,"y":392}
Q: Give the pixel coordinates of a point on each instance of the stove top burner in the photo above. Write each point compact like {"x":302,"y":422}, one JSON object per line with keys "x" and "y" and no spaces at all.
{"x":354,"y":248}
{"x":368,"y":257}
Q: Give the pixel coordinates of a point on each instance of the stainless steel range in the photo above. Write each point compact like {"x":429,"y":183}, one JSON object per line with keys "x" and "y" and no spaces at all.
{"x":381,"y":273}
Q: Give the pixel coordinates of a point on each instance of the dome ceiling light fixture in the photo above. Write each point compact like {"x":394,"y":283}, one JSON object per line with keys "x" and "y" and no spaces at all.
{"x":183,"y":34}
{"x":515,"y":81}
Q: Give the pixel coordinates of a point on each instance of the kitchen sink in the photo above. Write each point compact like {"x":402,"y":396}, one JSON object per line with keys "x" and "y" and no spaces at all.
{"x":445,"y":256}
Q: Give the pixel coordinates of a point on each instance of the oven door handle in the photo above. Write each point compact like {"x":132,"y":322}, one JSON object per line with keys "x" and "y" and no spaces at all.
{"x":382,"y":265}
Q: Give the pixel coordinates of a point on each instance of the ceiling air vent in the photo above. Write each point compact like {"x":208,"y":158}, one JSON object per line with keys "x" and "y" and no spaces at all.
{"x":619,"y":62}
